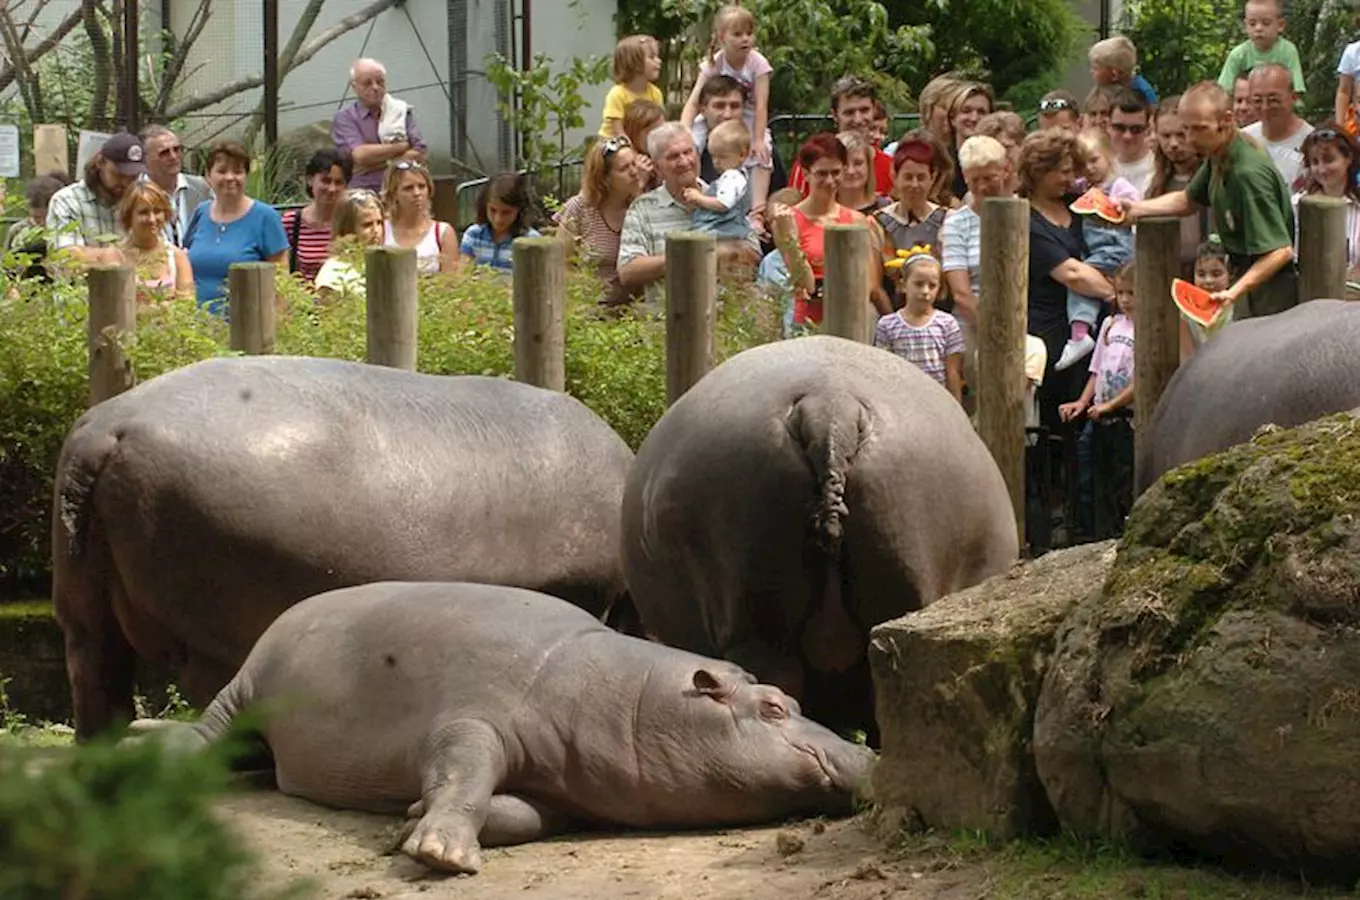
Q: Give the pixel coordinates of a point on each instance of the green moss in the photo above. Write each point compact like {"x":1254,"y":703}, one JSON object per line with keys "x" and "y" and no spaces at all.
{"x":27,"y":609}
{"x":1211,"y":535}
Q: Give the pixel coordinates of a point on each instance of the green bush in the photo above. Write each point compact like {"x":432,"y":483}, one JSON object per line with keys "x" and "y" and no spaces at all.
{"x":615,"y":365}
{"x":101,"y":822}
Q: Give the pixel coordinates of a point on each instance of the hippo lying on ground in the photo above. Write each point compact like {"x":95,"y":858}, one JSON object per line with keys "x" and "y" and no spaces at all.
{"x":193,"y":510}
{"x":495,"y":715}
{"x":1285,"y":370}
{"x":798,"y":495}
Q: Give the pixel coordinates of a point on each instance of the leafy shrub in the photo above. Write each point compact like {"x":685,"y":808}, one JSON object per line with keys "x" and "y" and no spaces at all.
{"x":615,"y":365}
{"x":102,"y":822}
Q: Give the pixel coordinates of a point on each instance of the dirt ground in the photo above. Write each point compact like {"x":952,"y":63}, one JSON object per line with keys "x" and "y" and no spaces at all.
{"x":349,"y":854}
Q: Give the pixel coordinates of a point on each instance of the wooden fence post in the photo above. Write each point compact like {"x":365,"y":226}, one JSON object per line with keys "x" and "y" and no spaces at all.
{"x":539,"y":286}
{"x":846,"y":310}
{"x":1003,"y":322}
{"x":113,"y":312}
{"x":1322,"y":247}
{"x":1156,"y":320}
{"x":393,"y":306}
{"x":691,"y":300}
{"x":250,"y":293}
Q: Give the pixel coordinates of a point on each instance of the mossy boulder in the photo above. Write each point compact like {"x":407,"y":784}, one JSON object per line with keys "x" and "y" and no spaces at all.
{"x":956,"y":685}
{"x":1209,"y":697}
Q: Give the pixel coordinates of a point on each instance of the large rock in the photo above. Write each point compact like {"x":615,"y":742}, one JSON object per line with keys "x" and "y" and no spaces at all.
{"x":956,"y":686}
{"x":1210,"y":697}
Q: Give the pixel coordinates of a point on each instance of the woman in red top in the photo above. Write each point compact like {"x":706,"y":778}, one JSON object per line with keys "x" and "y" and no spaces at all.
{"x":800,"y":231}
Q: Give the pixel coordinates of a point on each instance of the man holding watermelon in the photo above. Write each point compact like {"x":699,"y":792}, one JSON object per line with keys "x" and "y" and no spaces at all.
{"x":1250,"y":201}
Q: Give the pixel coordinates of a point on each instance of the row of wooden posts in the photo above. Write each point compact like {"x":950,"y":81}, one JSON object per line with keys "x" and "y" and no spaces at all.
{"x":691,"y":289}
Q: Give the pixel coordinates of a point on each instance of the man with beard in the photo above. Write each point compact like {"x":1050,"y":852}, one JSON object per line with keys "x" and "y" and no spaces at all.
{"x":1250,"y":203}
{"x":81,"y":216}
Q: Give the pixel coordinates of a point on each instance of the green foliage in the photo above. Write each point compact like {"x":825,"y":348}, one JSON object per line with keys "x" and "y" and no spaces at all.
{"x":615,"y":364}
{"x":898,"y":45}
{"x":543,"y":105}
{"x":114,"y":822}
{"x":1181,"y":42}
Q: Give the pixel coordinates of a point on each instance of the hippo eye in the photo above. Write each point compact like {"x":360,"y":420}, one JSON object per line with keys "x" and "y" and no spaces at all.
{"x":772,"y":710}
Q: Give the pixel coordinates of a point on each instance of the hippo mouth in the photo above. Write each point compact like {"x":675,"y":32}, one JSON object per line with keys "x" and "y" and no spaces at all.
{"x":826,"y":772}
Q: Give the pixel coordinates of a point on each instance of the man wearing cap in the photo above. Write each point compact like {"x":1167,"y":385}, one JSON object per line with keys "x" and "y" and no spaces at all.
{"x":81,"y":215}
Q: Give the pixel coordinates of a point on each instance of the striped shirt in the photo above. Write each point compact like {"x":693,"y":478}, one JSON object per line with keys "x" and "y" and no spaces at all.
{"x":596,"y":239}
{"x":311,"y":244}
{"x":927,"y":346}
{"x":1352,"y":232}
{"x":479,"y":244}
{"x":961,"y":244}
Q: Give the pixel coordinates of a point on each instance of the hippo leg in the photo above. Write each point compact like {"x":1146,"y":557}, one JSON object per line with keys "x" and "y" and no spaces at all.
{"x":511,"y":819}
{"x":831,"y":640}
{"x":466,"y":763}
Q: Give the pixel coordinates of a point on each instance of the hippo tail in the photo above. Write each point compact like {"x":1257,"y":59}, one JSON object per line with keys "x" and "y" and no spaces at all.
{"x":83,"y":458}
{"x":830,"y":427}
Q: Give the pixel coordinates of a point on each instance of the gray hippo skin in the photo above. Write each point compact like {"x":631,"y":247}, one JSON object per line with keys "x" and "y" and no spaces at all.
{"x":495,"y":715}
{"x":799,"y":494}
{"x":193,"y":510}
{"x":1285,"y":370}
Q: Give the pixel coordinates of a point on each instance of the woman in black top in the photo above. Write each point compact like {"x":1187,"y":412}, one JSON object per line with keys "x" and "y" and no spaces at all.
{"x":1049,"y":166}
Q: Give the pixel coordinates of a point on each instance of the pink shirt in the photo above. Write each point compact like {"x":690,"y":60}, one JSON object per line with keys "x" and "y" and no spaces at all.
{"x":1112,"y":362}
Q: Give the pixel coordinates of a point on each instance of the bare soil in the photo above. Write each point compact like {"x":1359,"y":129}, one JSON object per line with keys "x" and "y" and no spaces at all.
{"x":347,"y":854}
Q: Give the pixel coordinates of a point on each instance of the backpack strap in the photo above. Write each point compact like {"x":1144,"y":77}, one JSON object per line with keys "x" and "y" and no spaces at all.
{"x":293,"y":240}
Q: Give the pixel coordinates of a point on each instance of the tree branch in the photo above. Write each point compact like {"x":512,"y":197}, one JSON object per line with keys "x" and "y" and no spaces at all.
{"x":312,"y":48}
{"x":67,"y":25}
{"x":14,"y":47}
{"x":286,"y":57}
{"x":174,"y":69}
{"x":103,"y":65}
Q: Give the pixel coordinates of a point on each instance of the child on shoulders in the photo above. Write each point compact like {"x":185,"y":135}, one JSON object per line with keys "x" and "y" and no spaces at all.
{"x":927,"y":337}
{"x":1264,"y":22}
{"x":637,"y":65}
{"x":722,"y":209}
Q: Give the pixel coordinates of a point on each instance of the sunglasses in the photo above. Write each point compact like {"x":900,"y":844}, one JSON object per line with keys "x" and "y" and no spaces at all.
{"x":615,"y":144}
{"x":176,"y":150}
{"x":1128,"y":129}
{"x":361,"y":194}
{"x":406,"y":165}
{"x":1329,"y":134}
{"x":1055,"y":105}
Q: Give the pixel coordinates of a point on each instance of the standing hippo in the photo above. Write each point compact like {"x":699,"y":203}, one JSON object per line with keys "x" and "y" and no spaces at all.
{"x":494,"y":715}
{"x":194,"y":509}
{"x":798,"y":495}
{"x":1286,"y":369}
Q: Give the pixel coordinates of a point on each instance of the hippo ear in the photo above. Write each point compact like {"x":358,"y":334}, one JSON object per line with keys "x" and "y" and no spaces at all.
{"x":709,"y":684}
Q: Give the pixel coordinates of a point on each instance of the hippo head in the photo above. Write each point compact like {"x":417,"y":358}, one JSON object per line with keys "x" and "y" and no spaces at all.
{"x":737,"y":751}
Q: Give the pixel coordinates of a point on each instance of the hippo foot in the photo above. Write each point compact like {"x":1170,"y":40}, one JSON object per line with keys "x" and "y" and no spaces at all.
{"x":442,"y":840}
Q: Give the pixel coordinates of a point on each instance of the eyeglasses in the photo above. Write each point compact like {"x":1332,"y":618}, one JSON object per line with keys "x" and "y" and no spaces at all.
{"x":1127,"y":129}
{"x":1055,"y":105}
{"x":176,"y":150}
{"x":615,"y":144}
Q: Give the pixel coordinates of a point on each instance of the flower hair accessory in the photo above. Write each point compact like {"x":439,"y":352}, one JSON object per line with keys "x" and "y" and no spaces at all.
{"x":906,"y":257}
{"x":1214,"y":241}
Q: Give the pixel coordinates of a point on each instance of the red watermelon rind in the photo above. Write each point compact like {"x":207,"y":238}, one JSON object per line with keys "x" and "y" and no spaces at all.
{"x":1194,"y":303}
{"x":1095,"y":201}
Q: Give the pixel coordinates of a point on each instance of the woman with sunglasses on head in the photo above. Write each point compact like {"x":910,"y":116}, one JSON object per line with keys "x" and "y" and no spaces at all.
{"x":407,"y":192}
{"x":593,"y":219}
{"x":1332,"y":165}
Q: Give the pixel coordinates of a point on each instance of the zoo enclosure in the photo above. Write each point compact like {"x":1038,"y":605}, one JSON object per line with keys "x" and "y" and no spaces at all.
{"x":691,"y":279}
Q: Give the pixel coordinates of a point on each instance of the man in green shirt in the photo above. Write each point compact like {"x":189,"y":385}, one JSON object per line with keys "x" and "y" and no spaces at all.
{"x":1266,"y":43}
{"x":1249,"y":200}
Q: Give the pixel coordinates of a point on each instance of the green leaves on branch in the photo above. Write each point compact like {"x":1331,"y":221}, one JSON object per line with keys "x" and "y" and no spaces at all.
{"x":544,"y":106}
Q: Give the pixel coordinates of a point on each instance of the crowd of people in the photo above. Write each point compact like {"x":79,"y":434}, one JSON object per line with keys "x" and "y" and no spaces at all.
{"x":1230,"y":157}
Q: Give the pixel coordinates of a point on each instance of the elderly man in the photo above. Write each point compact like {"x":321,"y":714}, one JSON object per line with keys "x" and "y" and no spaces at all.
{"x":1251,"y":206}
{"x":1279,"y":128}
{"x":81,"y":215}
{"x":377,"y":128}
{"x":165,"y":167}
{"x":658,"y":213}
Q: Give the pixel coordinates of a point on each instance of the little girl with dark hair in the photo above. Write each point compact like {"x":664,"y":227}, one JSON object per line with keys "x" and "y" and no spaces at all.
{"x":502,"y":209}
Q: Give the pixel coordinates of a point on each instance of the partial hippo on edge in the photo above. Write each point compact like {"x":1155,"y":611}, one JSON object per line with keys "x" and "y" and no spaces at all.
{"x":798,"y":495}
{"x":194,"y":509}
{"x":1286,"y":369}
{"x":495,"y":715}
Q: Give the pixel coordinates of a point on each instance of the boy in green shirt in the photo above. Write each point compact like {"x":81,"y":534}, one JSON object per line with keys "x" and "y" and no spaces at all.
{"x":1264,"y":21}
{"x":1249,"y":199}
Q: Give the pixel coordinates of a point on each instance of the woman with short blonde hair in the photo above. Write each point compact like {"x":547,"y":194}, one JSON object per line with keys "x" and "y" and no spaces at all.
{"x":162,"y":269}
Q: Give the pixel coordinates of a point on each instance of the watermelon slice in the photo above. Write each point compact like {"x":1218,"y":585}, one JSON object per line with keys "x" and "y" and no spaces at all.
{"x":1195,"y":303}
{"x":1098,"y":202}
